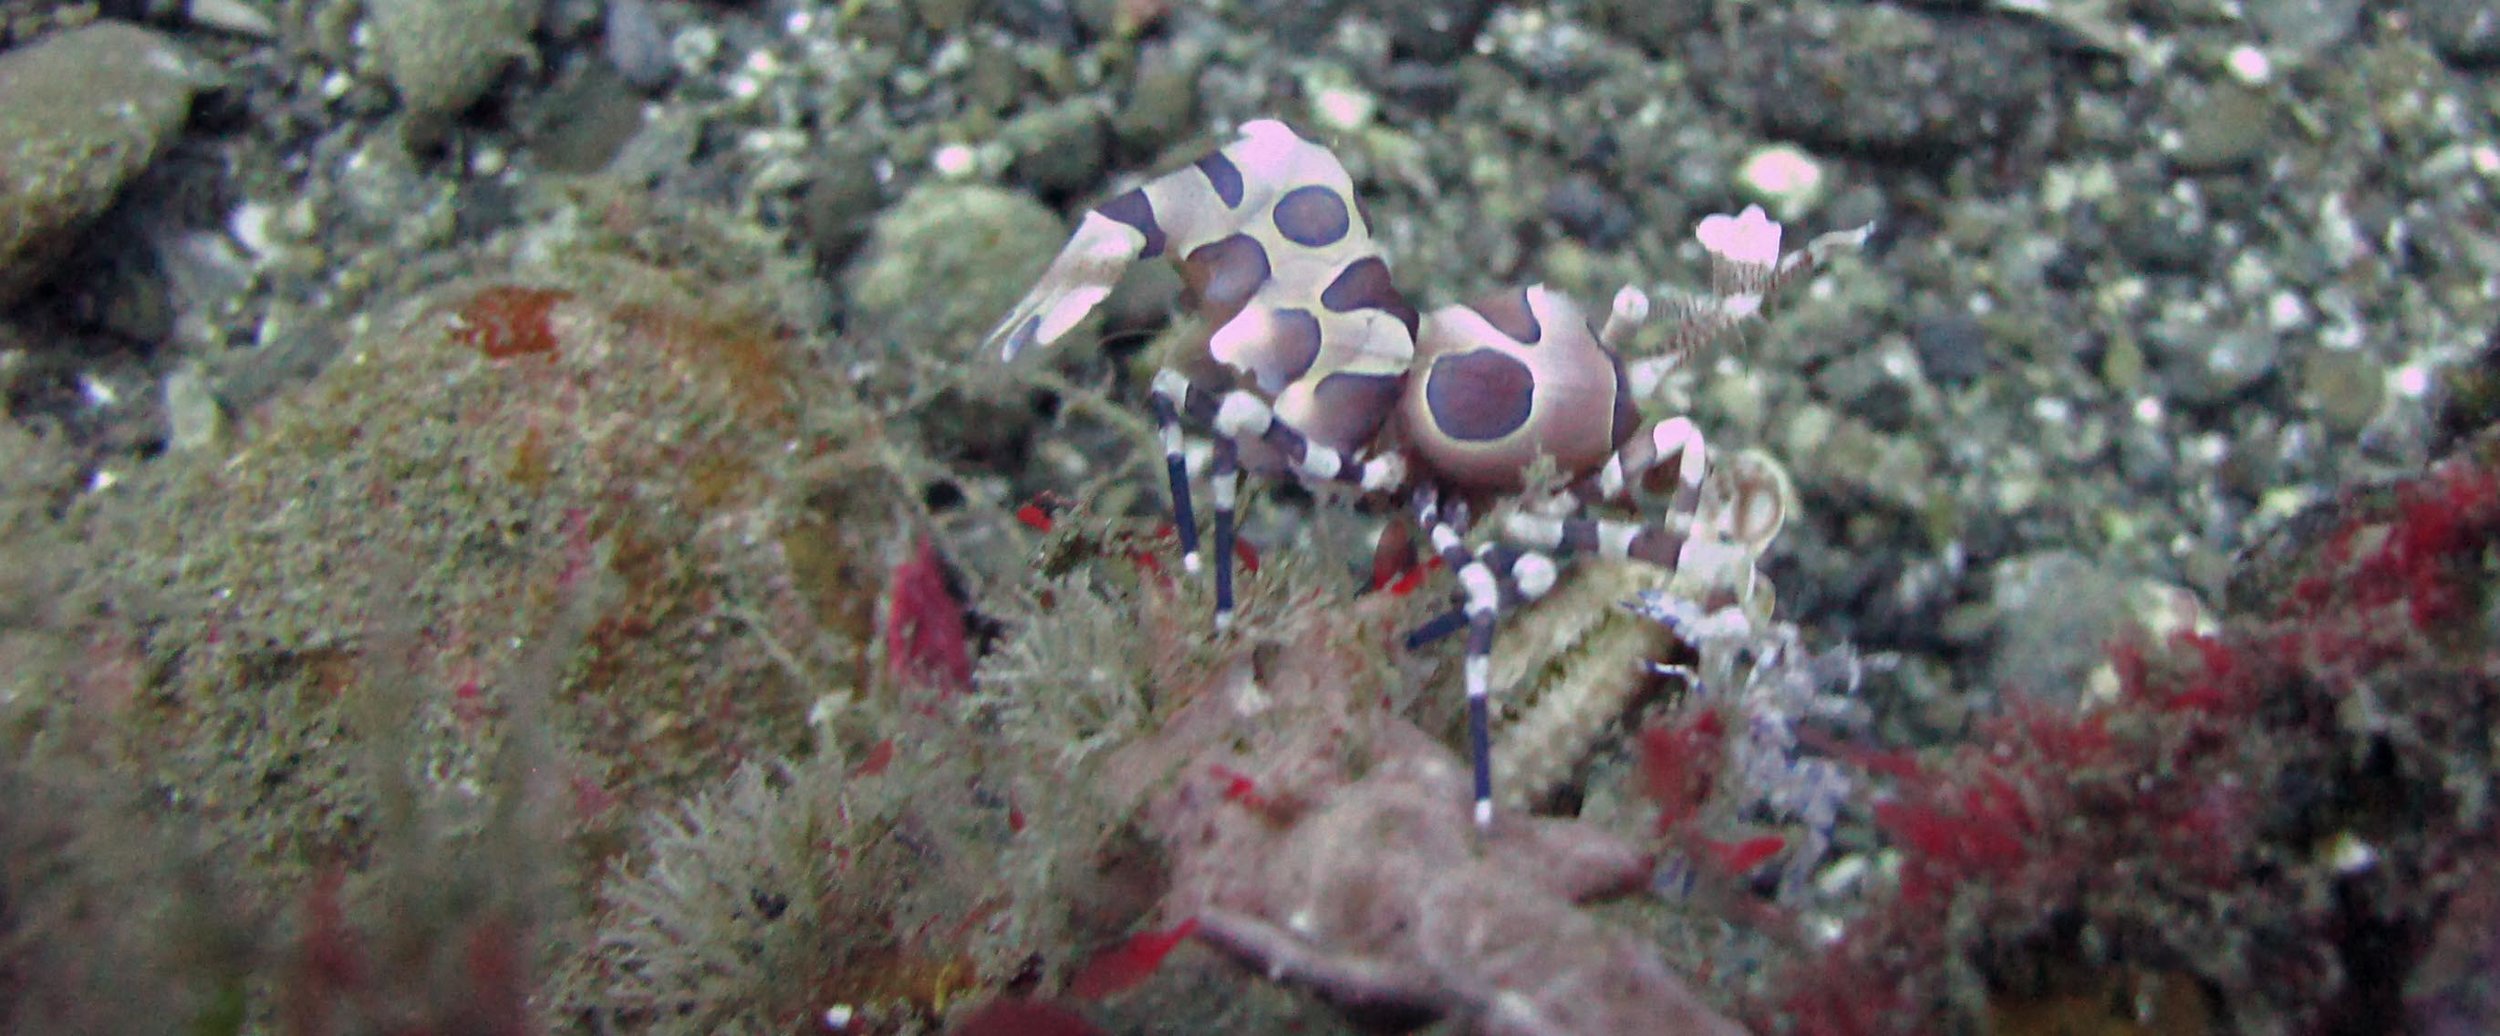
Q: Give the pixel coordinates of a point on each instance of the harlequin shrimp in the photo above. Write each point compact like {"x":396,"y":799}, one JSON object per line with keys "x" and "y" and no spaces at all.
{"x":1314,"y":366}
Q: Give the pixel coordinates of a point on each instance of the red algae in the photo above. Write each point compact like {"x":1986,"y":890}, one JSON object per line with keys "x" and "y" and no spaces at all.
{"x":1678,"y":766}
{"x":1128,"y":965}
{"x":2305,"y":788}
{"x":506,"y":321}
{"x":925,"y":645}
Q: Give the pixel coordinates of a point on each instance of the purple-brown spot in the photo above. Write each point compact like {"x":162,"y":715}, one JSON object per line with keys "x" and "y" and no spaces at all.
{"x":1480,"y":395}
{"x":1365,"y":284}
{"x":1222,"y":175}
{"x":1509,"y":314}
{"x":1579,"y":537}
{"x":1288,"y":353}
{"x":1627,"y":411}
{"x":1224,"y":274}
{"x":1351,"y":408}
{"x":1133,"y":209}
{"x":1312,"y":216}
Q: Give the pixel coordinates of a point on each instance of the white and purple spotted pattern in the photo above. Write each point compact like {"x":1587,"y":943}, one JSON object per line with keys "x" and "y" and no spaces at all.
{"x":1278,"y":264}
{"x":1509,"y":377}
{"x":1313,"y":361}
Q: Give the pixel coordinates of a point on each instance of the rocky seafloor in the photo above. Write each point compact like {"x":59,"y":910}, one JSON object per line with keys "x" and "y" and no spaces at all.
{"x":491,"y":488}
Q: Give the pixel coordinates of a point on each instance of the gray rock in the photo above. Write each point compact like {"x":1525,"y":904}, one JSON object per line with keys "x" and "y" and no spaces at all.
{"x":2466,"y":32}
{"x":983,"y":243}
{"x":1587,"y":210}
{"x":442,"y":55}
{"x":2306,"y":26}
{"x":1658,"y":26}
{"x":1434,"y":32}
{"x":80,"y":113}
{"x":1059,"y":150}
{"x":2225,"y":127}
{"x":2206,"y":365}
{"x":637,"y":45}
{"x":583,"y":124}
{"x":839,"y":204}
{"x":1883,"y":81}
{"x":2054,"y":611}
{"x":1952,"y":347}
{"x":1162,"y":104}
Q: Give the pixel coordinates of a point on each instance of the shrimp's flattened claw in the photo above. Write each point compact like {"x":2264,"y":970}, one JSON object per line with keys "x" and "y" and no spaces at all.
{"x":1077,"y":281}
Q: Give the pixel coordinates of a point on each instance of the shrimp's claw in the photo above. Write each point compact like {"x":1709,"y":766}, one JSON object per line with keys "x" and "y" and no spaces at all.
{"x":1077,"y":281}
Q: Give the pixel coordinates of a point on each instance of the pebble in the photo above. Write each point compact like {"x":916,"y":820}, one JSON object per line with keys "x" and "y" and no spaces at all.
{"x":1049,"y":22}
{"x":235,"y":16}
{"x":2052,"y":613}
{"x":1421,"y":87}
{"x":1550,"y":51}
{"x":2227,"y":126}
{"x":194,"y":418}
{"x":2344,"y":387}
{"x":1299,"y":25}
{"x":80,"y":114}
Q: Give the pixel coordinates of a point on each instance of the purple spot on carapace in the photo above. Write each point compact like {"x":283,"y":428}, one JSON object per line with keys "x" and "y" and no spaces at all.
{"x":1351,"y":408}
{"x":1364,"y":283}
{"x":1225,"y":273}
{"x":1509,"y":314}
{"x":1291,"y":348}
{"x":1222,"y":175}
{"x":1480,"y":395}
{"x":1312,"y":216}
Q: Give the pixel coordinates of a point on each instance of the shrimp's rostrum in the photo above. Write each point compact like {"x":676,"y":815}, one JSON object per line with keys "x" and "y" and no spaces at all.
{"x":1312,"y":364}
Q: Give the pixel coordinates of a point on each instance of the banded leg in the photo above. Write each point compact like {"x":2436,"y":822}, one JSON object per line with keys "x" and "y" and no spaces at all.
{"x":1535,"y":542}
{"x":1224,"y":483}
{"x":1658,"y":542}
{"x":1483,"y":605}
{"x":1237,"y":417}
{"x":1244,"y":417}
{"x":1636,"y":461}
{"x":1171,"y":393}
{"x":1492,"y":579}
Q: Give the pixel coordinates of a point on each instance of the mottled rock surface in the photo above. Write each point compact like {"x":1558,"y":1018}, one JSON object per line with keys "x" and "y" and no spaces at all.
{"x":80,"y":113}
